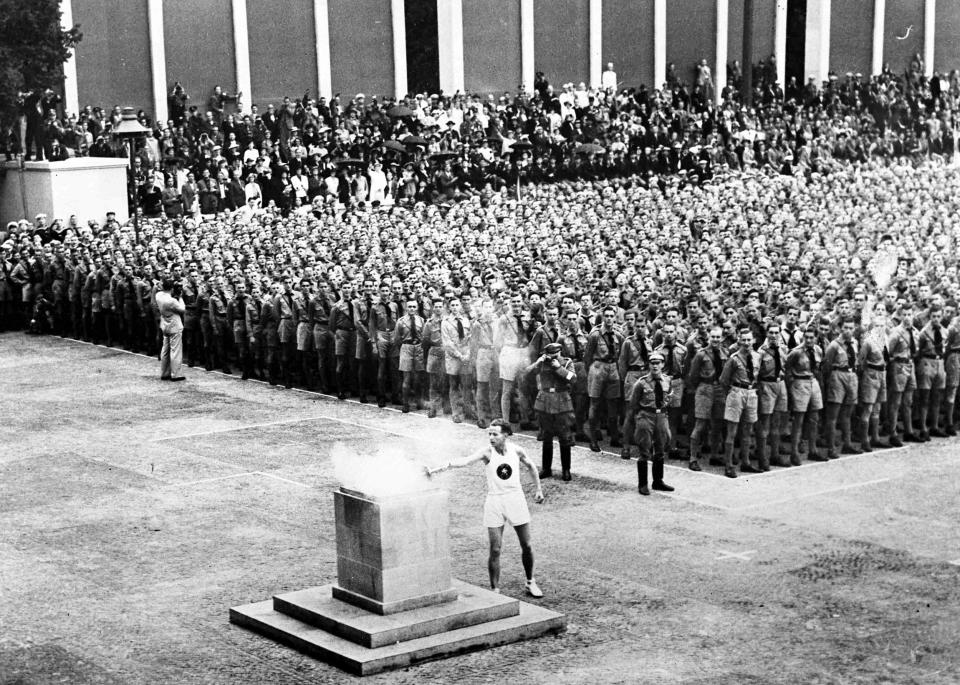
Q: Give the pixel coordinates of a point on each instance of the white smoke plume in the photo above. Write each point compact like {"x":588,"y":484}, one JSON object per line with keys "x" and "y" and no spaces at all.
{"x":384,"y":473}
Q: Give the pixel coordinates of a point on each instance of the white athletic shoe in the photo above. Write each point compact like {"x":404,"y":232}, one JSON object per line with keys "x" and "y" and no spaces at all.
{"x":533,"y":589}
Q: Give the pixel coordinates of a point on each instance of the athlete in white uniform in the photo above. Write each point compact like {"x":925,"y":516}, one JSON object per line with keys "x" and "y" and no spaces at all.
{"x":505,"y":500}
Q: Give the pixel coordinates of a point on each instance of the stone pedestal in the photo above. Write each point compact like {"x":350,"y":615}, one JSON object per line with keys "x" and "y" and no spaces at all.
{"x":393,"y":554}
{"x":86,"y":186}
{"x":395,"y":603}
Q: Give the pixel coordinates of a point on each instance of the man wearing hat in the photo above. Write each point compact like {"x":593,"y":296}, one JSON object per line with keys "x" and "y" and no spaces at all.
{"x":554,"y":406}
{"x":648,"y":404}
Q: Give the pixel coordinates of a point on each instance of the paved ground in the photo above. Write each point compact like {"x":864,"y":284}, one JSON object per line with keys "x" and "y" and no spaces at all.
{"x":134,"y":513}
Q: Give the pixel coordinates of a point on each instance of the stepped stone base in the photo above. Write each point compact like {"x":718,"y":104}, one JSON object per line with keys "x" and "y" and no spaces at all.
{"x":316,"y":623}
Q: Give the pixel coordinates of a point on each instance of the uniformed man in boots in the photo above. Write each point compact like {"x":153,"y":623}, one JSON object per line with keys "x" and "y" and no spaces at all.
{"x":408,"y":335}
{"x":191,"y":323}
{"x":634,"y":362}
{"x":284,"y":310}
{"x":384,"y":313}
{"x":484,"y":356}
{"x":739,"y":380}
{"x":302,"y":313}
{"x":771,"y":397}
{"x":237,"y":314}
{"x":319,"y":307}
{"x":839,"y":373}
{"x":343,"y":324}
{"x":806,"y":397}
{"x":434,"y":355}
{"x":901,"y":379}
{"x":574,"y":343}
{"x":708,"y":396}
{"x":931,"y":374}
{"x":220,"y":325}
{"x":270,"y":321}
{"x":649,"y":403}
{"x":256,"y":347}
{"x":872,"y":385}
{"x":952,"y":366}
{"x":674,"y":362}
{"x":455,"y":333}
{"x":554,"y":406}
{"x":603,"y":377}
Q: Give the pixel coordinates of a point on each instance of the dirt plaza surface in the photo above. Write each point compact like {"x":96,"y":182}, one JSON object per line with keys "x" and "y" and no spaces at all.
{"x":135,"y":513}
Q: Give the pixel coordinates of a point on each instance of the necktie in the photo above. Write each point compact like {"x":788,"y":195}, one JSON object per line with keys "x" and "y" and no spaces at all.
{"x":851,"y":355}
{"x":938,"y":340}
{"x":776,"y":362}
{"x":609,"y":338}
{"x":576,"y":347}
{"x":913,"y":344}
{"x":716,"y":365}
{"x":750,"y":367}
{"x":414,"y":334}
{"x":812,"y":360}
{"x":668,"y":367}
{"x":657,"y":393}
{"x":886,"y":355}
{"x":350,"y":311}
{"x":521,"y":334}
{"x":460,"y":328}
{"x":644,"y":355}
{"x":553,"y":333}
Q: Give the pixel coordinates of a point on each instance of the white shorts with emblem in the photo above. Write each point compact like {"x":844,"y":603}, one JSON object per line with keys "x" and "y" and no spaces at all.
{"x":509,"y":507}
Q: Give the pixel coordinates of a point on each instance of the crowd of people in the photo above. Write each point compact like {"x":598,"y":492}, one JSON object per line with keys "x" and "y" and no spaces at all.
{"x":717,"y":277}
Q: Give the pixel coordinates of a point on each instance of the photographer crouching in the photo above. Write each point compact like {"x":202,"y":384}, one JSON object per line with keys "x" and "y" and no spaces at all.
{"x":172,"y":309}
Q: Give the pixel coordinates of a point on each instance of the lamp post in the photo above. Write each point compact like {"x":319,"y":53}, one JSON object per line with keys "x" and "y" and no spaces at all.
{"x":130,"y":130}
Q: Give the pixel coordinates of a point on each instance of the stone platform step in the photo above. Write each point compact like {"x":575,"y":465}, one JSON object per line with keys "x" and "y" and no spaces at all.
{"x":531,"y":621}
{"x":317,"y":607}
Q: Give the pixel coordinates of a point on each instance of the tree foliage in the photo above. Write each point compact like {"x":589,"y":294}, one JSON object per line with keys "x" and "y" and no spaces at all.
{"x":33,"y":48}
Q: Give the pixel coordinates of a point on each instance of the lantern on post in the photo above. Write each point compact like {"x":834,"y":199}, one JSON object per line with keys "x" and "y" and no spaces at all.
{"x":130,"y":130}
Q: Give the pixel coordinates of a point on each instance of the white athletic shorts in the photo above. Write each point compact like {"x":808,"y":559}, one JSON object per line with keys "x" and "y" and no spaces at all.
{"x":507,"y":508}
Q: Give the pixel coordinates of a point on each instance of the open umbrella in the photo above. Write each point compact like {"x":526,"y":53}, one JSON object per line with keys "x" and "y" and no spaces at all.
{"x":413,"y":141}
{"x":400,"y":112}
{"x":521,"y":145}
{"x":347,"y":161}
{"x":394,"y":145}
{"x":589,"y":149}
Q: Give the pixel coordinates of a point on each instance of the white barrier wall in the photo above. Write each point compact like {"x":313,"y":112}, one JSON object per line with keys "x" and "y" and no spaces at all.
{"x":86,"y":186}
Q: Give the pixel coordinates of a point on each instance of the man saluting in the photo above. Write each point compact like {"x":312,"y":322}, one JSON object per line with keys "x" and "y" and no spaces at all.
{"x":505,"y":500}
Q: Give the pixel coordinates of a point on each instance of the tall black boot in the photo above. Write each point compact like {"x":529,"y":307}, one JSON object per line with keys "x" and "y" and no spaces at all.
{"x":565,"y":460}
{"x":546,"y":459}
{"x":642,"y":477}
{"x":658,"y":483}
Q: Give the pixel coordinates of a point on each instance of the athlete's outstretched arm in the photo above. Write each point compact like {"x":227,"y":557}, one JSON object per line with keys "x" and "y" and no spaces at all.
{"x":479,"y":455}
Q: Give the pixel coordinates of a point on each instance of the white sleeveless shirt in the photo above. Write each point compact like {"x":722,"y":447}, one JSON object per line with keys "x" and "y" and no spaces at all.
{"x":503,"y":471}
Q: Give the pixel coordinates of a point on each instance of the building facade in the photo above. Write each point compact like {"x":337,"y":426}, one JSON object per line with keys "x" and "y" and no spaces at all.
{"x":133,"y":51}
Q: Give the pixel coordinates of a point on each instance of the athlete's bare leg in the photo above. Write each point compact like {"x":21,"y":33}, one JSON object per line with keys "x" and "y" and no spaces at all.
{"x":493,"y":562}
{"x":526,"y":550}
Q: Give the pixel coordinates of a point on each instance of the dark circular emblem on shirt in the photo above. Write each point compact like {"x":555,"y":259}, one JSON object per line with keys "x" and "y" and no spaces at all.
{"x":504,"y":471}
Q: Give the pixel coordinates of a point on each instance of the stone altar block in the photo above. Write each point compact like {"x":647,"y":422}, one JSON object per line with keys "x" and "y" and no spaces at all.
{"x":393,"y":554}
{"x":395,"y":603}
